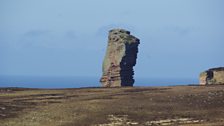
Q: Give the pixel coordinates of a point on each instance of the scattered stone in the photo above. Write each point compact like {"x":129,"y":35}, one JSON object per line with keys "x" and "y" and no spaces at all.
{"x":119,"y":120}
{"x":171,"y":122}
{"x":5,"y":90}
{"x":122,"y":120}
{"x":120,"y":58}
{"x":212,"y":76}
{"x":3,"y":115}
{"x":2,"y":108}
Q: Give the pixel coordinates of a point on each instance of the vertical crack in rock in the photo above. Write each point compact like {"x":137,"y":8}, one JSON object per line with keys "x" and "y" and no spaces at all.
{"x":120,"y":58}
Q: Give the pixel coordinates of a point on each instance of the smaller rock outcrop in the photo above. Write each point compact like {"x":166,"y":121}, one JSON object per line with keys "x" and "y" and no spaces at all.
{"x":212,"y":76}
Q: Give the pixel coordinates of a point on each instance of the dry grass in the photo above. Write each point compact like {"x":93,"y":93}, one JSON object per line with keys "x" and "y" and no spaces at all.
{"x":180,"y":105}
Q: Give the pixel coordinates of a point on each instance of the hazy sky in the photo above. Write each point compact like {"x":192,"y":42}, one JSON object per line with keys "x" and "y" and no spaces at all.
{"x":179,"y":38}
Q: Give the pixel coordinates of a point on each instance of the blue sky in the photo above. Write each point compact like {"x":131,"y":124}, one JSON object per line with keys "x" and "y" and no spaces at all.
{"x":179,"y":38}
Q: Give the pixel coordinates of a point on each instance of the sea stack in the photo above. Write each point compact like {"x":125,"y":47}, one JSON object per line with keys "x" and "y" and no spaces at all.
{"x":120,"y":59}
{"x":212,"y":76}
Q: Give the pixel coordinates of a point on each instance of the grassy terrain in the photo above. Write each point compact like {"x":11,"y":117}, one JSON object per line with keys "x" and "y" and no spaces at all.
{"x":144,"y":106}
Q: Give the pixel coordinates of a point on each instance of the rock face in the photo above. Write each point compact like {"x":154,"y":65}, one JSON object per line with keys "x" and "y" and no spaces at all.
{"x":120,"y":58}
{"x":212,"y":76}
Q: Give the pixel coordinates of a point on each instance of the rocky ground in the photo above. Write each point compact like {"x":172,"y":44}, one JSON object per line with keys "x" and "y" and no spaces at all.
{"x":138,"y":106}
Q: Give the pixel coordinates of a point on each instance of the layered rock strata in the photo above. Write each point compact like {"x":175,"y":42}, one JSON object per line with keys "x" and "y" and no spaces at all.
{"x":212,"y":76}
{"x":120,"y":58}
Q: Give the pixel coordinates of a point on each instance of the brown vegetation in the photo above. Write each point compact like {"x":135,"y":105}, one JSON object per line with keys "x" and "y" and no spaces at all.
{"x":146,"y":106}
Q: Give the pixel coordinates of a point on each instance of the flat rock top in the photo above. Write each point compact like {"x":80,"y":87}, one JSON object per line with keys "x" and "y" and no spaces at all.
{"x":119,"y":31}
{"x":122,"y":35}
{"x":217,"y":69}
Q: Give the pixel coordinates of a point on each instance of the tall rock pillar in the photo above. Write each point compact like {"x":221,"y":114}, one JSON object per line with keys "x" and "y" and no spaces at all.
{"x":120,"y":58}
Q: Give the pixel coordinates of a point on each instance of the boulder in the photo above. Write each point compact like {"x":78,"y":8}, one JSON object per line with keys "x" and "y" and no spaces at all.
{"x":120,"y":58}
{"x":212,"y":76}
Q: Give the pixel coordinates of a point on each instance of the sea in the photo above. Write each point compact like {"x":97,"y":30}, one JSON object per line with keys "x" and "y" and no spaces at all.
{"x":82,"y":82}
